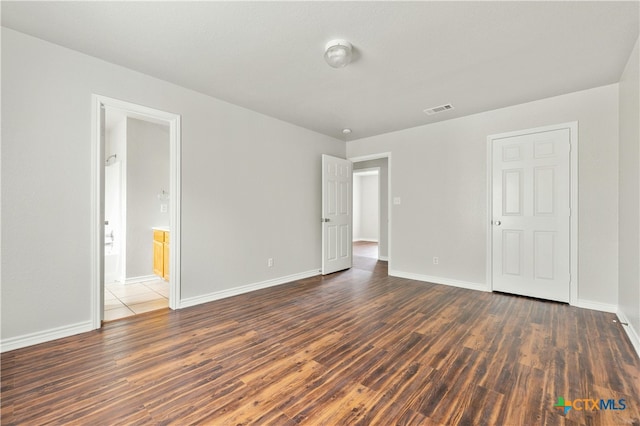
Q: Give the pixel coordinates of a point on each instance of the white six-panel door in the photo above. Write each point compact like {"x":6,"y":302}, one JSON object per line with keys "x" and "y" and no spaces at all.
{"x":337,"y":180}
{"x":531,"y":215}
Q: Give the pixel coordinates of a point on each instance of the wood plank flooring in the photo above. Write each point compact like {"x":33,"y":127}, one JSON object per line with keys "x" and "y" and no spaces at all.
{"x":365,"y":249}
{"x":357,"y":347}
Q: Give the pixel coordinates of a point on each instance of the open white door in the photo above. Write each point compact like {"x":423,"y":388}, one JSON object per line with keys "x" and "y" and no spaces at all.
{"x":336,"y":214}
{"x":531,"y":215}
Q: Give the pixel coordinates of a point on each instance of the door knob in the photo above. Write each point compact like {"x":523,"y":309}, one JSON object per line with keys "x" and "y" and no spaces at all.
{"x":325,"y":220}
{"x":497,"y":223}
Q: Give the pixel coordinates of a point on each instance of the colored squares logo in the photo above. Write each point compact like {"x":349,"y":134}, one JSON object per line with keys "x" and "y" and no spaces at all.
{"x":563,"y":405}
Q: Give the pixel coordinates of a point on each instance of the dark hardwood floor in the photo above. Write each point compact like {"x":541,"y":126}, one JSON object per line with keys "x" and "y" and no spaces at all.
{"x":356,"y":347}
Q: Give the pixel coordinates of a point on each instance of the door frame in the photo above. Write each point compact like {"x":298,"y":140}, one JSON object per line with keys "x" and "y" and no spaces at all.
{"x":573,"y":202}
{"x":379,"y":156}
{"x":98,"y":104}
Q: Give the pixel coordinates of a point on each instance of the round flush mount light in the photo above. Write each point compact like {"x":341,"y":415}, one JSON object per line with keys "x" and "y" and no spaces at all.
{"x":346,"y":131}
{"x":338,"y":53}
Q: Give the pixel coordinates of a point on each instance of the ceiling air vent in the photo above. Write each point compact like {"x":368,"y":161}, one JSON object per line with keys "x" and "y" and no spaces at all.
{"x":438,"y":109}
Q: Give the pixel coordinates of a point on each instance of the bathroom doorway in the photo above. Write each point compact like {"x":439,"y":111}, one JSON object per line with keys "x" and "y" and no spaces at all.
{"x":136,"y":201}
{"x":136,"y":176}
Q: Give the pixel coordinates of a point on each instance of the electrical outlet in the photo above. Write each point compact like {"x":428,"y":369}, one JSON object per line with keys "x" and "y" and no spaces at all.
{"x":436,"y":260}
{"x":163,"y":208}
{"x":270,"y":262}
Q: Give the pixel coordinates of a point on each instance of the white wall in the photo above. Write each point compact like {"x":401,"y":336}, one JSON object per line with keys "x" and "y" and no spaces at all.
{"x":383,"y":164}
{"x":369,"y":205}
{"x":250,"y":186}
{"x":357,"y":210}
{"x":116,"y":139}
{"x":629,"y":232}
{"x":115,"y":198}
{"x":147,"y":176}
{"x":439,"y":173}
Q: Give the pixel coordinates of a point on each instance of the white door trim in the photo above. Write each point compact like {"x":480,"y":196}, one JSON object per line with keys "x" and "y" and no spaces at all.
{"x":97,"y":194}
{"x":378,"y":156}
{"x":573,"y":177}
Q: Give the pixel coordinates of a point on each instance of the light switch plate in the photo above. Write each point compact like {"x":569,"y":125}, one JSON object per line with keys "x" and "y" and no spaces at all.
{"x":396,"y":201}
{"x":163,"y":208}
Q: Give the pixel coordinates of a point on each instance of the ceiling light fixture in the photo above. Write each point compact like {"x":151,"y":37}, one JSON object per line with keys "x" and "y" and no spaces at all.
{"x":338,"y":53}
{"x":346,"y":131}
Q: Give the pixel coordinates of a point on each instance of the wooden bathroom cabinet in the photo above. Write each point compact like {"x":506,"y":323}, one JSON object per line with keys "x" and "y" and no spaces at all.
{"x":161,"y":253}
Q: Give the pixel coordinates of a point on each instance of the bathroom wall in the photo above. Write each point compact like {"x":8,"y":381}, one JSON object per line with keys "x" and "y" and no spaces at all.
{"x":115,"y":202}
{"x":112,"y":227}
{"x":147,"y":177}
{"x":142,"y":158}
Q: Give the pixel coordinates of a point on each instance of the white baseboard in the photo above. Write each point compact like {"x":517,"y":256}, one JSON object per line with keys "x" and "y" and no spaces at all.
{"x":383,"y":258}
{"x":44,"y":336}
{"x":631,"y":332}
{"x":197,"y":300}
{"x":141,"y":279}
{"x":597,"y":306}
{"x":109,"y":279}
{"x":438,"y":280}
{"x":366,"y":240}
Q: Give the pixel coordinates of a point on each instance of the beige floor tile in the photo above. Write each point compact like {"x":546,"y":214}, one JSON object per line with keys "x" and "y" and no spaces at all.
{"x":157,"y":284}
{"x":113,"y":304}
{"x":126,"y":300}
{"x":117,"y":313}
{"x":163,"y":292}
{"x":151,"y":305}
{"x":141,"y":298}
{"x":160,"y":287}
{"x":109,"y":296}
{"x":121,"y":290}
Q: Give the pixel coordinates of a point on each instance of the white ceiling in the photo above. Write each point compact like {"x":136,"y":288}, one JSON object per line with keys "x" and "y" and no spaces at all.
{"x":268,"y":56}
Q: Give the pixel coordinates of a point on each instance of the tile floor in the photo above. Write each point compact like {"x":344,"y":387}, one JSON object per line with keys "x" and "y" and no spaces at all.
{"x":122,"y":300}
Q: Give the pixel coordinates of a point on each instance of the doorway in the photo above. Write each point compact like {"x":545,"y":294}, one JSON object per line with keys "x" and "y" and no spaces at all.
{"x":366,"y":212}
{"x":372,"y":186}
{"x":532,"y":238}
{"x":129,"y":173}
{"x":136,"y":189}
